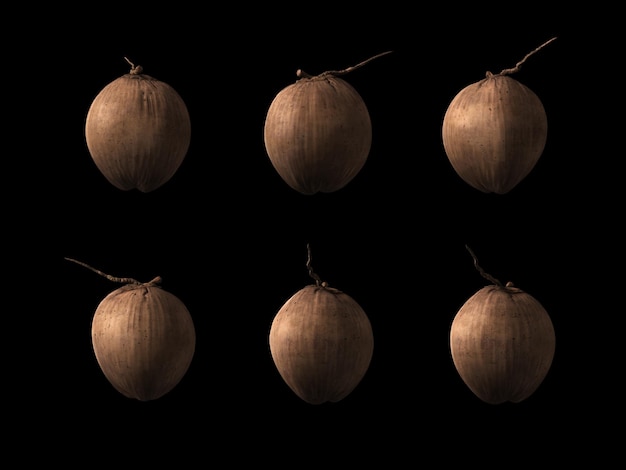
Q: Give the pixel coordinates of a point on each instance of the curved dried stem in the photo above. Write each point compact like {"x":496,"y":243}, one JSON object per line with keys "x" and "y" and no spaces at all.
{"x":481,"y":271}
{"x":123,"y":280}
{"x":318,"y":281}
{"x":302,"y":74}
{"x":518,"y":66}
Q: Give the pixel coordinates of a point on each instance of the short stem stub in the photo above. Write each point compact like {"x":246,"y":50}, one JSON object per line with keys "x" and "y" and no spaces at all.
{"x":134,"y":69}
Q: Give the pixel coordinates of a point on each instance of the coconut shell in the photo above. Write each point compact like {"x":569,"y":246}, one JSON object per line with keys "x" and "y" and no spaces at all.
{"x":502,"y":342}
{"x":318,"y":134}
{"x":144,"y":340}
{"x":494,"y":132}
{"x":322,"y":343}
{"x":138,"y":132}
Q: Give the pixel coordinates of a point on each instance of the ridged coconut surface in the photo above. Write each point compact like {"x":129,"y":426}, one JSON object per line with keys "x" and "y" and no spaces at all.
{"x":138,"y":131}
{"x":502,"y":342}
{"x":494,"y":131}
{"x":143,"y":338}
{"x":318,"y":132}
{"x":322,"y":343}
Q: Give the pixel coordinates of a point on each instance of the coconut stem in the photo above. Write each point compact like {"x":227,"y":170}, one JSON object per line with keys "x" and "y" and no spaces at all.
{"x":302,"y":74}
{"x":518,"y":66}
{"x":134,"y":70}
{"x":123,"y":280}
{"x":318,"y":281}
{"x":487,"y":276}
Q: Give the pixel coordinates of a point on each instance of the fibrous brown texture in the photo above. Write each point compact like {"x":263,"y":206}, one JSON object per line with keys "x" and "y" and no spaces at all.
{"x":138,"y":131}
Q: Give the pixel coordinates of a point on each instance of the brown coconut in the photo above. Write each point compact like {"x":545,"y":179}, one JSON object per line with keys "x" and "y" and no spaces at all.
{"x":494,"y":131}
{"x":318,"y":132}
{"x":138,"y":131}
{"x":143,"y":338}
{"x":502,"y":342}
{"x":321,"y":342}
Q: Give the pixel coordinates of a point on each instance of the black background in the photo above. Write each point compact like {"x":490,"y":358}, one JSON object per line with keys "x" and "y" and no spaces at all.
{"x":229,"y":237}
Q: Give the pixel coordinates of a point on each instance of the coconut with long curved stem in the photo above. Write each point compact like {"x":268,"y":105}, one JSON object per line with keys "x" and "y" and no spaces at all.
{"x":321,"y":342}
{"x":318,"y":132}
{"x":502,"y":342}
{"x":495,"y":130}
{"x":143,"y":337}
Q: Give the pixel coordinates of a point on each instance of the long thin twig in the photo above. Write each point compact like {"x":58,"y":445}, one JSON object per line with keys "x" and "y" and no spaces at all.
{"x":301,"y":73}
{"x":318,"y":281}
{"x":518,"y":66}
{"x":481,"y":271}
{"x":123,"y":280}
